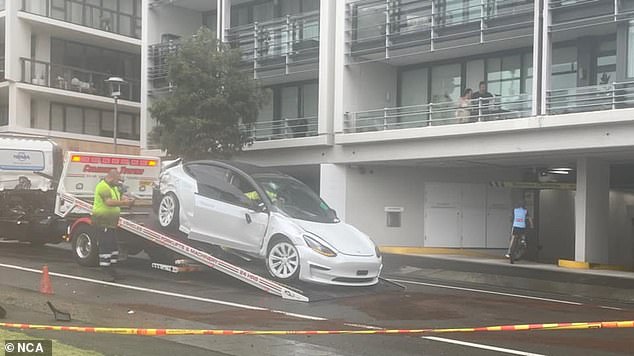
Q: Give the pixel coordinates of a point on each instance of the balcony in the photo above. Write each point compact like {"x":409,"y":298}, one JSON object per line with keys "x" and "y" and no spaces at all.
{"x":576,"y":14}
{"x":74,"y":79}
{"x":591,"y":98}
{"x":389,"y":29}
{"x":436,"y":114}
{"x":158,"y":67}
{"x":279,"y":47}
{"x":80,"y":13}
{"x":286,"y":128}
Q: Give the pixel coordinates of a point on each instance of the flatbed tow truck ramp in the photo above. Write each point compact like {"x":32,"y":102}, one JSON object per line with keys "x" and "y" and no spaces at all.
{"x":82,"y":170}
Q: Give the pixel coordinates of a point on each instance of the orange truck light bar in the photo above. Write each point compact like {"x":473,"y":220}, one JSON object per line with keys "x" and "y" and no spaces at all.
{"x":114,"y":160}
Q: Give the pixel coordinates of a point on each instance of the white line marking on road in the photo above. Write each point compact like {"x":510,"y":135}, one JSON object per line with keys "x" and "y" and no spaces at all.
{"x":166,"y":293}
{"x":611,"y":308}
{"x":363,"y":326}
{"x":487,"y":292}
{"x":481,"y":346}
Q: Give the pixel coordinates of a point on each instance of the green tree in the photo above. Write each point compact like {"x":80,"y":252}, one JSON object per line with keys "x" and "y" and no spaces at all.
{"x":212,"y":99}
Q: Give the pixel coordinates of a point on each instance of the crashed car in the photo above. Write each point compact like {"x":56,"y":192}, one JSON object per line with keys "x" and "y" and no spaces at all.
{"x":263,"y":213}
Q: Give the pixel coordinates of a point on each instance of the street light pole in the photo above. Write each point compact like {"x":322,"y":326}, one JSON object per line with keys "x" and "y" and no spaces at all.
{"x":115,"y":87}
{"x":114,"y":136}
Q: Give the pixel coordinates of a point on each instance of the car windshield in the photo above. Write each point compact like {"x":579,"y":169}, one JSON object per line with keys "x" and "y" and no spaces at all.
{"x":296,"y":199}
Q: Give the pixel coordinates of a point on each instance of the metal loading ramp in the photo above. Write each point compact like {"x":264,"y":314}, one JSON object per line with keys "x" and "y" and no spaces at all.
{"x":192,"y":253}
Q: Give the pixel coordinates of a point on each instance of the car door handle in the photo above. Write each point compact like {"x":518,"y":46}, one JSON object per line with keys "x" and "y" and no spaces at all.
{"x":248,"y":218}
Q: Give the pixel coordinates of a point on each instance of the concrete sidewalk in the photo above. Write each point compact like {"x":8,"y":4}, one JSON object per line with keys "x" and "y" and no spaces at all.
{"x":490,"y":267}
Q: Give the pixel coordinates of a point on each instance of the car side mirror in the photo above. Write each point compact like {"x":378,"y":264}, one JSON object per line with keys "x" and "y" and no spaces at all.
{"x":258,"y":206}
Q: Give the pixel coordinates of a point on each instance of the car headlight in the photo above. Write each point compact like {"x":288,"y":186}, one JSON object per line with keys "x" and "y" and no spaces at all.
{"x":377,"y":251}
{"x":319,"y":247}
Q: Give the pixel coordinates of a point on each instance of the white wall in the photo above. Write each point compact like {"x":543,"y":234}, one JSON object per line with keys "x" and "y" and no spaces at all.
{"x":370,"y":189}
{"x":174,"y":20}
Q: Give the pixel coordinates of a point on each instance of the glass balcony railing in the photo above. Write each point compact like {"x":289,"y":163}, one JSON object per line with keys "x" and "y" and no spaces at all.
{"x":284,"y":45}
{"x":282,"y":129}
{"x":591,"y":98}
{"x":385,"y":26}
{"x":2,"y":5}
{"x":81,"y":13}
{"x":75,"y":79}
{"x":435,"y":114}
{"x":571,"y":15}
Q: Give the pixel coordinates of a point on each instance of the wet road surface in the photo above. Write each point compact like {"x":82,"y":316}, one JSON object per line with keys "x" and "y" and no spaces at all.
{"x":210,"y":300}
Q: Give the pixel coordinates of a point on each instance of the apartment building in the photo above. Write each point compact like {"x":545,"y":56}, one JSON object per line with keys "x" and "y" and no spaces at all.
{"x":56,"y":56}
{"x":367,"y":109}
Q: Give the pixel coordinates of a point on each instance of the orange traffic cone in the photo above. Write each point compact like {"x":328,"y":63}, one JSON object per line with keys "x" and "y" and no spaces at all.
{"x":45,"y":282}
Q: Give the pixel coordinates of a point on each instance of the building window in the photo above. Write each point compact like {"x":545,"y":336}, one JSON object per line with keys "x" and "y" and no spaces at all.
{"x":262,"y":11}
{"x":292,"y":111}
{"x":89,"y":121}
{"x":564,"y":68}
{"x":210,"y":20}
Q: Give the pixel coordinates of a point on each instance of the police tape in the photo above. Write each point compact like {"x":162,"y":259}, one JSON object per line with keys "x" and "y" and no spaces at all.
{"x":166,"y":332}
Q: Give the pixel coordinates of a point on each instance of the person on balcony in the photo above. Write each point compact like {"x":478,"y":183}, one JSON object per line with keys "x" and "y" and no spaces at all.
{"x":463,"y":113}
{"x":482,"y":102}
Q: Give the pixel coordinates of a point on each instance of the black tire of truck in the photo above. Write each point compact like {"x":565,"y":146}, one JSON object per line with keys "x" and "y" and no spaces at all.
{"x":85,"y":246}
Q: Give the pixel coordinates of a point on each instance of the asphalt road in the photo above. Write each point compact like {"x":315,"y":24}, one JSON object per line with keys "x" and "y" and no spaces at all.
{"x":156,"y":299}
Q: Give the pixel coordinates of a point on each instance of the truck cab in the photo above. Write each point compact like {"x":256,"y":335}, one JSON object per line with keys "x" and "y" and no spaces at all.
{"x":30,"y":168}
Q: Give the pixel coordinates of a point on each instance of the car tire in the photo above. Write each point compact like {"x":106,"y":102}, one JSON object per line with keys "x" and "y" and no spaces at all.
{"x":282,"y":260}
{"x":85,"y":246}
{"x":168,"y":211}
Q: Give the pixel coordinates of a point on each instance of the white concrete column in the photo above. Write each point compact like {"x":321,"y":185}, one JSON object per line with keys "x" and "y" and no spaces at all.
{"x":144,"y":116}
{"x":340,"y":69}
{"x":546,"y":55}
{"x":592,"y":206}
{"x":327,"y":32}
{"x":17,"y":45}
{"x":223,"y":23}
{"x":333,"y":187}
{"x":537,"y":33}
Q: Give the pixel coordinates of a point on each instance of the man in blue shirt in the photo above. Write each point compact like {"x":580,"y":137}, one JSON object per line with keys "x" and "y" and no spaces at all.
{"x":520,"y":218}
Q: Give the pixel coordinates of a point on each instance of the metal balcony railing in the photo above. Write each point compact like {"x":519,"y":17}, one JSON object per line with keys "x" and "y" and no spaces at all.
{"x":283,"y":46}
{"x":591,"y":98}
{"x":281,"y":129}
{"x":435,"y":114}
{"x":385,"y":27}
{"x":158,"y":67}
{"x":82,"y":13}
{"x":577,"y":14}
{"x":75,"y":79}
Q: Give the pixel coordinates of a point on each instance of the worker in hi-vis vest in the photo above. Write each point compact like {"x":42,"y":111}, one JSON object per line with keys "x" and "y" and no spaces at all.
{"x":521,"y":220}
{"x":105,"y":217}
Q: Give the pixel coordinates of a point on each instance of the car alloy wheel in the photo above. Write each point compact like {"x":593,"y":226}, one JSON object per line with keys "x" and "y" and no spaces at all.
{"x":283,"y":260}
{"x":167,"y":210}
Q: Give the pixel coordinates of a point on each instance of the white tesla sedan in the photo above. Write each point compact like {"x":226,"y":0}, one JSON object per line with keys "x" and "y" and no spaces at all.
{"x":270,"y":215}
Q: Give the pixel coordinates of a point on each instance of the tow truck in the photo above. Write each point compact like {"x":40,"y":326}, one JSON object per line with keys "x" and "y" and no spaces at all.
{"x":81,"y":173}
{"x":46,"y":197}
